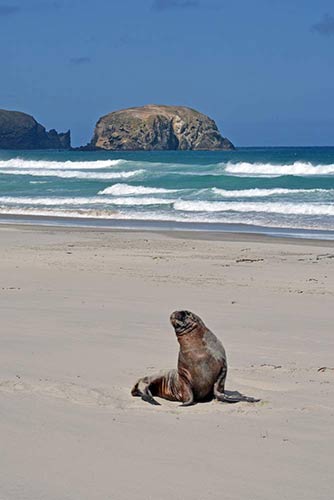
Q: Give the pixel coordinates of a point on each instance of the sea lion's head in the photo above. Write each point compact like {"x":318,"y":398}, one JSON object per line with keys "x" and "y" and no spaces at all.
{"x":185,"y":321}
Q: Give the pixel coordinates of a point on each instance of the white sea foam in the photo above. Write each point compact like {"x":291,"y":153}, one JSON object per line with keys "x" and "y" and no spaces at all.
{"x":17,"y":163}
{"x":93,"y":213}
{"x":261,"y":207}
{"x":178,"y":205}
{"x":207,"y":218}
{"x":126,"y":189}
{"x":48,"y":212}
{"x":268,"y":169}
{"x":80,"y":201}
{"x":139,"y":201}
{"x":83,"y":213}
{"x":257,"y":192}
{"x":225,"y":218}
{"x":88,"y":213}
{"x":71,"y":174}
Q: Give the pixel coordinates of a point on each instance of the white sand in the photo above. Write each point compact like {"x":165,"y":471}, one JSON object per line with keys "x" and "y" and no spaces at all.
{"x":85,"y":313}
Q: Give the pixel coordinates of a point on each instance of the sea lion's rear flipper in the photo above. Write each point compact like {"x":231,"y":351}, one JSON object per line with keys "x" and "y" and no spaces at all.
{"x":166,"y":385}
{"x":191,"y":402}
{"x":142,"y":390}
{"x":187,"y":395}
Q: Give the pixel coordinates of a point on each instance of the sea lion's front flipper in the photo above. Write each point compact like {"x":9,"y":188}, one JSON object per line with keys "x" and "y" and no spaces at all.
{"x":235,"y":397}
{"x":226,"y":396}
{"x":219,"y":387}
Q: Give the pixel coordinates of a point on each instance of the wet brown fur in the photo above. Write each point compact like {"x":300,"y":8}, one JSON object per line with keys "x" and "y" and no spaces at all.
{"x":201,"y":369}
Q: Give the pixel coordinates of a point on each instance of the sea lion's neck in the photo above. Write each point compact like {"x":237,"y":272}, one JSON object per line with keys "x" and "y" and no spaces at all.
{"x":190,"y":337}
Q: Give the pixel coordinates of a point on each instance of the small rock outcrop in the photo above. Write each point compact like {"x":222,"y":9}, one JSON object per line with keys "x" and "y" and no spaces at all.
{"x":21,"y":131}
{"x":156,"y":127}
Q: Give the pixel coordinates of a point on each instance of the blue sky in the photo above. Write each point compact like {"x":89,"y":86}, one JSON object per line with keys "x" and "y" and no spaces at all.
{"x":263,"y":69}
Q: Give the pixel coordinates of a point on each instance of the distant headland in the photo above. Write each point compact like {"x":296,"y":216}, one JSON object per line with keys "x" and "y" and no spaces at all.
{"x":21,"y":131}
{"x":146,"y":128}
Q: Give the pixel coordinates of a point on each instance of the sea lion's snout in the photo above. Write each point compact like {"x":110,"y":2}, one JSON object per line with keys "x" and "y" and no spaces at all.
{"x":178,"y":316}
{"x":181,"y":321}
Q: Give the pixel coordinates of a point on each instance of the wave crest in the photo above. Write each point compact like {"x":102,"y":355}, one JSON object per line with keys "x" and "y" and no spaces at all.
{"x":270,"y":207}
{"x":80,"y":201}
{"x":257,"y":192}
{"x":70,"y":174}
{"x":259,"y":169}
{"x":20,"y":163}
{"x":126,"y":189}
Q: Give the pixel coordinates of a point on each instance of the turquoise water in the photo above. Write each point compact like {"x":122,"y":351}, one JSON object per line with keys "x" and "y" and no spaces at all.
{"x":289,"y":188}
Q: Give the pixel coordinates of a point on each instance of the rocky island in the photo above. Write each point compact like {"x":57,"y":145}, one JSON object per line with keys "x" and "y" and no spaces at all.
{"x":154,"y":127}
{"x":21,"y":131}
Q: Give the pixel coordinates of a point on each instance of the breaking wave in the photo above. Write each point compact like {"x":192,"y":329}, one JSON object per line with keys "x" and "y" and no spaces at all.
{"x":71,"y":174}
{"x":89,"y":213}
{"x":297,"y":168}
{"x":126,"y":189}
{"x":179,"y":186}
{"x":270,"y":207}
{"x":17,"y":163}
{"x":257,"y":192}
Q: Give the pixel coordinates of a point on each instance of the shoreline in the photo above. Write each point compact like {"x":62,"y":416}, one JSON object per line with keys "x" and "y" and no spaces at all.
{"x":235,"y":232}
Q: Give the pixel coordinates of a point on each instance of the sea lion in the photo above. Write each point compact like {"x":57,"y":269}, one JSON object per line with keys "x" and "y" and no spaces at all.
{"x":201,"y":370}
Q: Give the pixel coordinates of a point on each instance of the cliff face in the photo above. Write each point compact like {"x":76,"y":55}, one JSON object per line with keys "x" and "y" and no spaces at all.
{"x":155,"y":127}
{"x":21,"y":131}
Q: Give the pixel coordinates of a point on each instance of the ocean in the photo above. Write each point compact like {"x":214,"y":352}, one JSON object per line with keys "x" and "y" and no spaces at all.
{"x":282,"y":191}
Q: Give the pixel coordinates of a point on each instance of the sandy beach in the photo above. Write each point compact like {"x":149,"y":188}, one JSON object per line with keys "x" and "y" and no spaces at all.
{"x":85,"y":313}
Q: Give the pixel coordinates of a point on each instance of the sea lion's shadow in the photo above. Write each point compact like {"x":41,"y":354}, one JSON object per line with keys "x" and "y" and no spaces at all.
{"x":229,"y":397}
